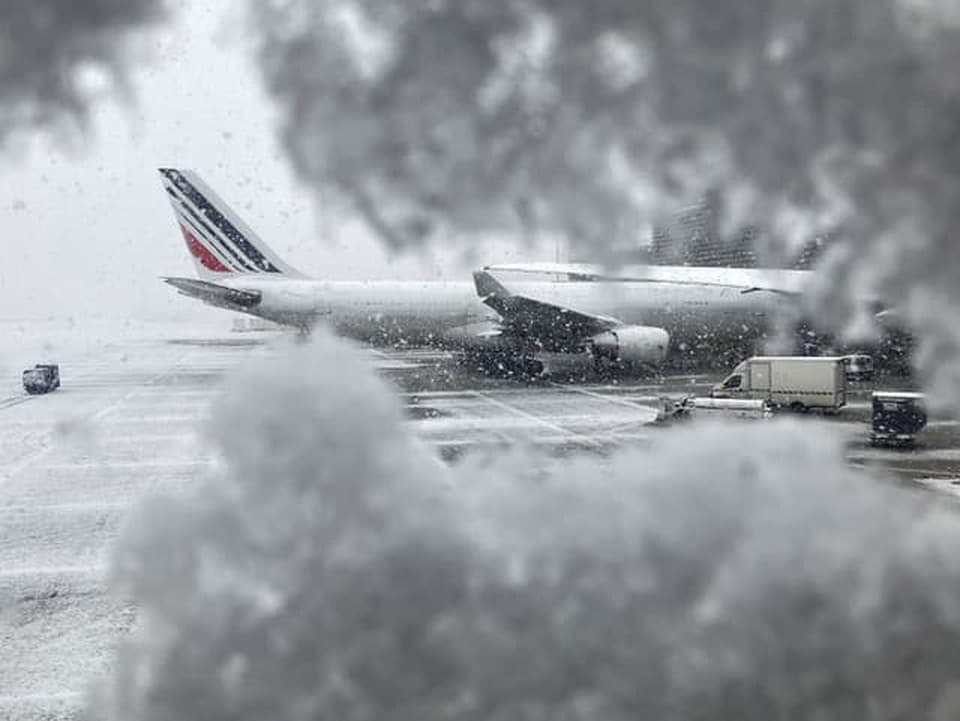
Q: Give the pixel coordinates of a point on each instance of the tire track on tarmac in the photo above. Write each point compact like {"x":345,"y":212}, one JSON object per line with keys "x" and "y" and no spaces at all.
{"x":46,"y":441}
{"x":14,"y":401}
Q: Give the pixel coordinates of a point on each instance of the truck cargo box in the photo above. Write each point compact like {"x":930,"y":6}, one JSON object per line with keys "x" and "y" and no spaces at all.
{"x":796,"y":382}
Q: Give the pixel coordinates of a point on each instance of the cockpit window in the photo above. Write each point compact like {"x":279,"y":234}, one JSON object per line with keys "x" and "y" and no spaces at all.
{"x":733,"y":382}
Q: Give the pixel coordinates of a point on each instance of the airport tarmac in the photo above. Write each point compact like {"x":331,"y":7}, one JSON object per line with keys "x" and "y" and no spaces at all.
{"x":124,"y":424}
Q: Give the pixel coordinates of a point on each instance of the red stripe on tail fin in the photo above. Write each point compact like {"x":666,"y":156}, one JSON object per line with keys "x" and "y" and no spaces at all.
{"x":201,"y":253}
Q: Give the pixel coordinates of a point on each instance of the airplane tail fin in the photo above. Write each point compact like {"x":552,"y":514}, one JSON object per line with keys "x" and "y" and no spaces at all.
{"x":220,"y":243}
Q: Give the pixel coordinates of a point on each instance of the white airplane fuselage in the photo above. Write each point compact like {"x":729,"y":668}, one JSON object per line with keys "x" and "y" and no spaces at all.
{"x":439,"y":312}
{"x":633,"y":315}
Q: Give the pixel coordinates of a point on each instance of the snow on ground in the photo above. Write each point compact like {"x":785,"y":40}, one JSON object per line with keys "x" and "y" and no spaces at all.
{"x":71,"y":464}
{"x":124,"y":425}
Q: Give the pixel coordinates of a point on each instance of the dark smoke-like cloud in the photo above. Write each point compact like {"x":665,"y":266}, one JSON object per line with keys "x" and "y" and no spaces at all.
{"x":46,"y":46}
{"x":438,"y":120}
{"x":332,"y":570}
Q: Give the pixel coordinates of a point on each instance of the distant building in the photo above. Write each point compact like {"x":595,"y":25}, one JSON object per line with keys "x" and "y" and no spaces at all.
{"x":692,"y":236}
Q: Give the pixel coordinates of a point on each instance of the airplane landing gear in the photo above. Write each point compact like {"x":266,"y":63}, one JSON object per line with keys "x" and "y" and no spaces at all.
{"x":505,"y":364}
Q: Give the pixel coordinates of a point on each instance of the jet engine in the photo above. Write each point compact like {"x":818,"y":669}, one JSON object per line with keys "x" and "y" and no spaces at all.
{"x":632,"y":344}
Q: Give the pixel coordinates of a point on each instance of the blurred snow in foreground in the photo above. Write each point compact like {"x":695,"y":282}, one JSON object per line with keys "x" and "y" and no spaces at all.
{"x":330,"y":569}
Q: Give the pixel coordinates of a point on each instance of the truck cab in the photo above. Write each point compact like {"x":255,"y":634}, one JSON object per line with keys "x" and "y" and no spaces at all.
{"x":858,"y":367}
{"x":733,"y":385}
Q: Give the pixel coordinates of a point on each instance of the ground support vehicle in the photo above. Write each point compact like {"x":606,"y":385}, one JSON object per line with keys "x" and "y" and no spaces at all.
{"x":898,"y":417}
{"x":42,"y":378}
{"x":799,"y":383}
{"x":691,"y":406}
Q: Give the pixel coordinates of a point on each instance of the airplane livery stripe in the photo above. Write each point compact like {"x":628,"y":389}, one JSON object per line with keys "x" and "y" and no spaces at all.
{"x":212,"y":248}
{"x":202,"y":253}
{"x":200,"y":202}
{"x":210,"y":236}
{"x":204,"y":232}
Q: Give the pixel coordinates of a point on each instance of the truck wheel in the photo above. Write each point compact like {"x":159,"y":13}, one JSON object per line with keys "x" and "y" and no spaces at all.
{"x":530,"y":367}
{"x":797,"y":407}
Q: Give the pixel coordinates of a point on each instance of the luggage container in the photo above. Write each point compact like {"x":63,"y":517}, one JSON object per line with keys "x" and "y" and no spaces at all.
{"x":42,"y":378}
{"x":898,"y":417}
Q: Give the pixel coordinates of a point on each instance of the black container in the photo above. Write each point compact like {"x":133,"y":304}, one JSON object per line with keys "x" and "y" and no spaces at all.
{"x":41,"y":378}
{"x":897,"y":416}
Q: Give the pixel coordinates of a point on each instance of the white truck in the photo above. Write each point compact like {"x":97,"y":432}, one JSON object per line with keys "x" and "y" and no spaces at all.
{"x":795,"y":382}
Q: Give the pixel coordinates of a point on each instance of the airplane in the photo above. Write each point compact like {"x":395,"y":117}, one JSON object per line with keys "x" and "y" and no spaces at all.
{"x":605,"y":318}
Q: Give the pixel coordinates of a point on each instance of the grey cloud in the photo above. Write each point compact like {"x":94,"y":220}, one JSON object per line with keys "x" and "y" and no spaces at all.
{"x":439,"y":120}
{"x":46,"y":46}
{"x":541,"y":117}
{"x":332,"y":569}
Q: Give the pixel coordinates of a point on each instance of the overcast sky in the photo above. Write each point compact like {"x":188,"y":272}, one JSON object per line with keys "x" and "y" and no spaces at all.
{"x":87,"y":228}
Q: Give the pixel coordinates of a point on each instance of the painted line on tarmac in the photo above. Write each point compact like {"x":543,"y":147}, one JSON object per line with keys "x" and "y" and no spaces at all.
{"x":553,"y":440}
{"x":16,"y":699}
{"x":518,"y":421}
{"x":140,"y":410}
{"x":14,"y":401}
{"x":912,"y":470}
{"x":461,"y":393}
{"x":164,"y":391}
{"x":74,"y":507}
{"x":473,"y":442}
{"x":603,"y":397}
{"x":134,"y":420}
{"x":95,"y":570}
{"x":126,"y":464}
{"x":541,"y":421}
{"x":149,"y":437}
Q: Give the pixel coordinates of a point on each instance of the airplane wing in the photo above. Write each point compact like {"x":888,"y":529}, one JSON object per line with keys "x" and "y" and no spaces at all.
{"x":748,"y":281}
{"x":545,"y":323}
{"x":215,"y":294}
{"x":572,"y":271}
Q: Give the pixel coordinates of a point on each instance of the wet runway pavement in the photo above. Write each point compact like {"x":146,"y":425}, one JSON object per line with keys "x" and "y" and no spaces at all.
{"x":124,"y":424}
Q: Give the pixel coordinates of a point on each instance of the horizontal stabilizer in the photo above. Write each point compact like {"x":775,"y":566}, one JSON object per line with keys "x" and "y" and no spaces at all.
{"x":215,"y":294}
{"x":219,"y":241}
